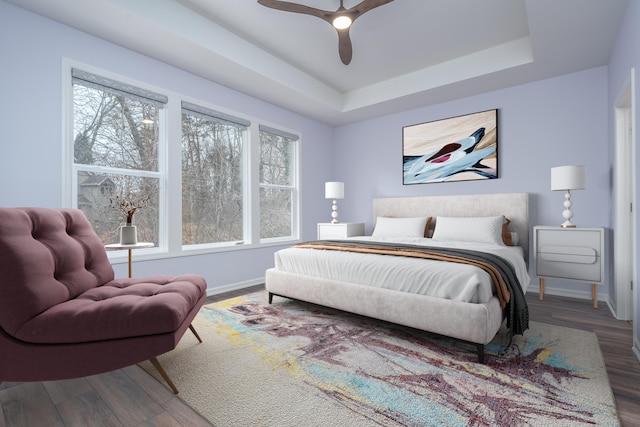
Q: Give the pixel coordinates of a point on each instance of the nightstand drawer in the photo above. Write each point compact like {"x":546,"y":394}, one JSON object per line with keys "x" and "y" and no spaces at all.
{"x":573,"y":267}
{"x":574,"y":254}
{"x":331,"y":232}
{"x":328,"y":231}
{"x":577,"y":238}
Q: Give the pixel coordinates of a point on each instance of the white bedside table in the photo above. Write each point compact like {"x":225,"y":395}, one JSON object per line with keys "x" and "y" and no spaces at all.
{"x":341,"y":230}
{"x":570,"y":253}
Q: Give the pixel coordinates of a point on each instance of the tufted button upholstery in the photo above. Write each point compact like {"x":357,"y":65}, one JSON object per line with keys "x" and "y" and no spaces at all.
{"x":57,"y":285}
{"x":117,"y":309}
{"x":62,"y":313}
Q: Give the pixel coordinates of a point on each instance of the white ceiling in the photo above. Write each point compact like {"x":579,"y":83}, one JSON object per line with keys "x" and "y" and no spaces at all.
{"x":407,"y":53}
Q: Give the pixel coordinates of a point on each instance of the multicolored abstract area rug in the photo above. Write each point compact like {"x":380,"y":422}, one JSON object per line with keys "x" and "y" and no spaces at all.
{"x":298,"y":364}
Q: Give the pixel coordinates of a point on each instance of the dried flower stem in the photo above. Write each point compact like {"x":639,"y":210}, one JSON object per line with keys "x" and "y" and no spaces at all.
{"x":129,"y":205}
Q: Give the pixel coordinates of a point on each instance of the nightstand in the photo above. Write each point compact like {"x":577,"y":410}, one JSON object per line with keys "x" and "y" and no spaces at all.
{"x":341,"y":230}
{"x":570,"y":253}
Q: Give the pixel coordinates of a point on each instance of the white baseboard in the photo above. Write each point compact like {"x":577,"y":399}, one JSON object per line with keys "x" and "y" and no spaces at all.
{"x":636,"y":349}
{"x":234,"y":286}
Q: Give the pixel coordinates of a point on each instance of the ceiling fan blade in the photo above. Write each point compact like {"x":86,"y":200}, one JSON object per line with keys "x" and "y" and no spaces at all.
{"x":365,"y":6}
{"x":296,"y":8}
{"x":345,"y":50}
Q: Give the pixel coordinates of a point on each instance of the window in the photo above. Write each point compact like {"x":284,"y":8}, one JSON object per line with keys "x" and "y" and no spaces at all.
{"x":277,"y":183}
{"x":115,"y":152}
{"x":213,"y":180}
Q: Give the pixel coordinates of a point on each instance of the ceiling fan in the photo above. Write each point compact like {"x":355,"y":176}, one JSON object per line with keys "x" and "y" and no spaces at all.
{"x":341,"y":19}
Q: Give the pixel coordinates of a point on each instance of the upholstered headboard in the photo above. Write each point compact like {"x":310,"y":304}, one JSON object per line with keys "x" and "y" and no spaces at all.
{"x":514,"y":206}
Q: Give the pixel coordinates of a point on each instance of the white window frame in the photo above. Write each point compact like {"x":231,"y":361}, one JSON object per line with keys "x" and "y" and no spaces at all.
{"x":294,"y":187}
{"x":246,"y":178}
{"x":170,"y":173}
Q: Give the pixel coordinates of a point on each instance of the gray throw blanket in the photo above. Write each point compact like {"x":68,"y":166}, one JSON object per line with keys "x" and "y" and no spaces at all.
{"x":515,"y":302}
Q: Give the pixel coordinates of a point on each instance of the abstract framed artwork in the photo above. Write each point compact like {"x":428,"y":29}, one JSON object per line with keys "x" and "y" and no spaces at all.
{"x":460,"y":148}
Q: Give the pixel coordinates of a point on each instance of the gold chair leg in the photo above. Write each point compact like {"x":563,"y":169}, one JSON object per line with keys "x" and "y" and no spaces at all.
{"x":156,"y":364}
{"x":195,"y":333}
{"x":160,"y":369}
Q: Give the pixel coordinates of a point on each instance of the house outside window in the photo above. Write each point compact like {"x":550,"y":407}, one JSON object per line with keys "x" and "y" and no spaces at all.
{"x":115,"y":152}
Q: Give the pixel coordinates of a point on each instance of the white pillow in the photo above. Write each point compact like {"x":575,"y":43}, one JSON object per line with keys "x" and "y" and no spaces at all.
{"x":400,"y":227}
{"x":480,"y":229}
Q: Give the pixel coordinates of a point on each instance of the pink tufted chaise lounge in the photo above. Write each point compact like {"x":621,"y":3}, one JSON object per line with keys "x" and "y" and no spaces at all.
{"x":62,"y":314}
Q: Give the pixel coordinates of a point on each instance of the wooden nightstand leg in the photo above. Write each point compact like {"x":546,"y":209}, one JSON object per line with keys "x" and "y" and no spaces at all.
{"x":594,"y":295}
{"x":541,"y":289}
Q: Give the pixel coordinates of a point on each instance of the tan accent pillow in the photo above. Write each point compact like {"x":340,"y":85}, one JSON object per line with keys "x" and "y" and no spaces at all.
{"x":427,"y":227}
{"x":506,"y":234}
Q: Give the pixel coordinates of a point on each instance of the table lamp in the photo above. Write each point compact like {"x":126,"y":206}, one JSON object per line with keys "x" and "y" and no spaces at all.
{"x":567,"y":178}
{"x":334,"y":190}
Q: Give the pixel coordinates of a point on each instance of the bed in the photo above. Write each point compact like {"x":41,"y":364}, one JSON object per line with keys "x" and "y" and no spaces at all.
{"x":389,"y":289}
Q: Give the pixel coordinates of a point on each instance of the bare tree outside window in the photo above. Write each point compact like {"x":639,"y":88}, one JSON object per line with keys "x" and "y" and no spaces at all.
{"x":212,"y":199}
{"x":276,"y":185}
{"x":115,"y":146}
{"x":122,"y":150}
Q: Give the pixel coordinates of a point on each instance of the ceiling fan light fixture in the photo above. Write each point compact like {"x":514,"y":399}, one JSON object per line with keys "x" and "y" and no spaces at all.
{"x":342,"y":22}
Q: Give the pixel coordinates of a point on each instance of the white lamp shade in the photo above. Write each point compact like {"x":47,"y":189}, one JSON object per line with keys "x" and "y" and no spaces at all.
{"x":568,"y":178}
{"x":334,"y":190}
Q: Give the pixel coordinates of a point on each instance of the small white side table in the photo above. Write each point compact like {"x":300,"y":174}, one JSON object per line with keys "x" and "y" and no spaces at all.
{"x":119,"y":246}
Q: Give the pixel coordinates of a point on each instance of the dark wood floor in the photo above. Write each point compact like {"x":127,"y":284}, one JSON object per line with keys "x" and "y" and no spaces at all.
{"x":131,"y":397}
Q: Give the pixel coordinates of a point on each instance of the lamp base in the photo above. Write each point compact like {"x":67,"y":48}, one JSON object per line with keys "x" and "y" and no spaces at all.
{"x":334,"y":212}
{"x":567,"y":214}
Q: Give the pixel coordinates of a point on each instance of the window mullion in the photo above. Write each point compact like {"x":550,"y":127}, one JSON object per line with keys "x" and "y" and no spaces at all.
{"x":277,"y":186}
{"x":252,"y":181}
{"x":118,"y":171}
{"x":173,"y":202}
{"x":296,"y":192}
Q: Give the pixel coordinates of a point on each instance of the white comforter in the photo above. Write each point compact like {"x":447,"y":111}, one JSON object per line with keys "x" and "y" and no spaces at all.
{"x":449,"y":280}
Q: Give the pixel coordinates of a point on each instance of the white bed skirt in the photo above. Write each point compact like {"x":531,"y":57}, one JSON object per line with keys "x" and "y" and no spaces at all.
{"x":477,"y":323}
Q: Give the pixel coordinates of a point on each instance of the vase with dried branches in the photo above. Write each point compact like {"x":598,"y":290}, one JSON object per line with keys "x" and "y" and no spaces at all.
{"x":129,"y":204}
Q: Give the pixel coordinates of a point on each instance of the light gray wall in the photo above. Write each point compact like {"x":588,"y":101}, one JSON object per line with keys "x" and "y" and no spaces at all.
{"x":553,"y":122}
{"x":624,"y":60}
{"x":31,"y":52}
